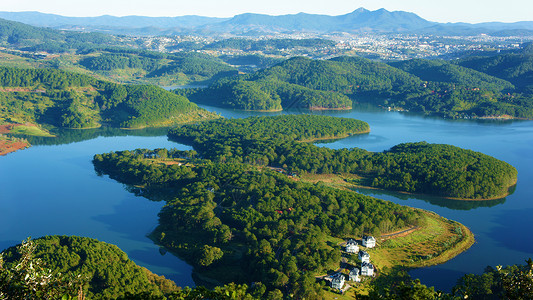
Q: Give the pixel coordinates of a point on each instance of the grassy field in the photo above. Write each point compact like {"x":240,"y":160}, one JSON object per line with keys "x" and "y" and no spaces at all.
{"x":30,"y":130}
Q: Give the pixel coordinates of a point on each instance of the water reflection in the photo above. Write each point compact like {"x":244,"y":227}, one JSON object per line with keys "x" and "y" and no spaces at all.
{"x":67,"y":136}
{"x":438,"y":201}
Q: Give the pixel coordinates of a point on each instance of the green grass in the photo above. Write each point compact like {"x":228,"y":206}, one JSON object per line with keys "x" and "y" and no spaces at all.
{"x":30,"y":130}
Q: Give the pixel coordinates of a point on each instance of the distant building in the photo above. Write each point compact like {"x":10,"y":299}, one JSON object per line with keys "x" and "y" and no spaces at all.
{"x":369,"y":241}
{"x":354,"y":275}
{"x":337,"y":281}
{"x":367,"y":269}
{"x":351,"y":246}
{"x":364,"y":256}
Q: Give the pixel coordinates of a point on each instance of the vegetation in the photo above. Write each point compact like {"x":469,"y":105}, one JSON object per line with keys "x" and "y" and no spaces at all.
{"x":61,"y":267}
{"x":263,"y":225}
{"x":26,"y":37}
{"x":432,"y":87}
{"x":442,"y":170}
{"x":266,"y":45}
{"x":515,"y":67}
{"x":512,"y":282}
{"x":442,"y":71}
{"x":236,"y":219}
{"x":156,"y":68}
{"x":72,"y":100}
{"x":80,"y":265}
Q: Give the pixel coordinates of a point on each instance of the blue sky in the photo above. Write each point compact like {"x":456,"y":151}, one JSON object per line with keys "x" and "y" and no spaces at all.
{"x":471,"y":11}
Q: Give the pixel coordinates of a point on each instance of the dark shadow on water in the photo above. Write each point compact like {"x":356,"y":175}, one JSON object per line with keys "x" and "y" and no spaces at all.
{"x":438,"y":201}
{"x":440,"y":278}
{"x":131,"y":220}
{"x":506,"y":233}
{"x":67,"y":136}
{"x":167,"y":265}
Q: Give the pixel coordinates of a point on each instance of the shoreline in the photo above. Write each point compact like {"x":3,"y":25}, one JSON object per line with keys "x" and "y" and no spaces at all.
{"x":9,"y":146}
{"x":437,"y":196}
{"x":343,"y":136}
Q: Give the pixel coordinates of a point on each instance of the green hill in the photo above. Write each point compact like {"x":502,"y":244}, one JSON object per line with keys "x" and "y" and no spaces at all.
{"x":71,"y":100}
{"x":514,"y":67}
{"x":305,"y":83}
{"x":21,"y":36}
{"x":442,"y":71}
{"x":430,"y":87}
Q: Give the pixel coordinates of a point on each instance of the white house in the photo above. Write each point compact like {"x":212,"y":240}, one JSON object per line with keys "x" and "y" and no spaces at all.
{"x":364,"y":256}
{"x":367,"y":269}
{"x":351,"y":246}
{"x":337,"y":281}
{"x":369,"y":241}
{"x":354,"y":275}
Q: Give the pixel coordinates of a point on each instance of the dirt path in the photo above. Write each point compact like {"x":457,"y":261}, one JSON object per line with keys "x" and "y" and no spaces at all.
{"x":399,"y":233}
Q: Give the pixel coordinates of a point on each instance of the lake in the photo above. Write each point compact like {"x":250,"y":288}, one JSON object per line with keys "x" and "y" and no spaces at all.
{"x":52,"y":188}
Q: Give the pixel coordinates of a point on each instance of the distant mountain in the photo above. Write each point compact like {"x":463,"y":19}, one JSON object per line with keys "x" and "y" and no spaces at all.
{"x":360,"y":20}
{"x":52,"y":20}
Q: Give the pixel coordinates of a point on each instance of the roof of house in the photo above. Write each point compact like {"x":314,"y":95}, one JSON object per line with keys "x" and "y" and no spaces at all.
{"x":354,"y":271}
{"x":337,"y":276}
{"x":369,"y":238}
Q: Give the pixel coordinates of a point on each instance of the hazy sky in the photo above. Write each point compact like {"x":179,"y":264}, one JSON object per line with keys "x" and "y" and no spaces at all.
{"x":471,"y":11}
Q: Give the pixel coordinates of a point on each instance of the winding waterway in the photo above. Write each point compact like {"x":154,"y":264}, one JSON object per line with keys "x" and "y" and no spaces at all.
{"x":52,"y":188}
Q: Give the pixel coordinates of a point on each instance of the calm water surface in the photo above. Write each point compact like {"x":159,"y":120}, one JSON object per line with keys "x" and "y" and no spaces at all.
{"x":54,"y":190}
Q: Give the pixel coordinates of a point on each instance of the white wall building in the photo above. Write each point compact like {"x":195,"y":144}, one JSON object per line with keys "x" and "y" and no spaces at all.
{"x":351,"y":246}
{"x":364,"y":256}
{"x":367,"y":269}
{"x":369,"y":241}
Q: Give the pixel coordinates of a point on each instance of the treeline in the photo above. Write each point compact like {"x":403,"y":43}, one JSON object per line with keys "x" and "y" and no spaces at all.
{"x":284,"y":127}
{"x":441,"y":170}
{"x":252,"y":225}
{"x":160,"y":65}
{"x":72,"y":100}
{"x":268,"y":44}
{"x":255,"y":60}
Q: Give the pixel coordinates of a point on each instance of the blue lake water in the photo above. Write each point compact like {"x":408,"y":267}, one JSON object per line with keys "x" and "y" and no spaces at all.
{"x":53,"y":189}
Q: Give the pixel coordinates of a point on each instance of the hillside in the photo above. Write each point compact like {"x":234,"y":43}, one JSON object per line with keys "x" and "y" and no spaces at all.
{"x":431,"y":87}
{"x":63,"y":99}
{"x":305,"y":83}
{"x":514,"y":67}
{"x":442,"y":71}
{"x":23,"y":36}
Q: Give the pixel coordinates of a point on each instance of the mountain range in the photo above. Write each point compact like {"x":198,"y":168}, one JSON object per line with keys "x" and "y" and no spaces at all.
{"x":359,"y":21}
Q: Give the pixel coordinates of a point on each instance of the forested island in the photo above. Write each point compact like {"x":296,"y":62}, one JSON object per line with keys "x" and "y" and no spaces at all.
{"x":441,"y":170}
